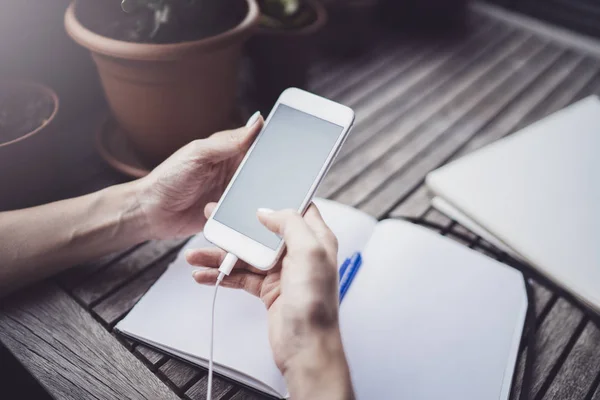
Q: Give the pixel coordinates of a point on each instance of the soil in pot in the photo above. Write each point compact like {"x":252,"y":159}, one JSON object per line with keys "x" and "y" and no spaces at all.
{"x":281,"y":53}
{"x":23,"y":109}
{"x":190,"y":20}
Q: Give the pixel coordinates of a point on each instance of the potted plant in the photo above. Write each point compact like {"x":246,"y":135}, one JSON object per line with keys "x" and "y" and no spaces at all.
{"x":168,"y":67}
{"x":283,"y":47}
{"x":27,"y":160}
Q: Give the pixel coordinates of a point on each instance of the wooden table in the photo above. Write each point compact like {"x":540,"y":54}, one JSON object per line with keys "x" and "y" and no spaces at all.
{"x":419,"y":104}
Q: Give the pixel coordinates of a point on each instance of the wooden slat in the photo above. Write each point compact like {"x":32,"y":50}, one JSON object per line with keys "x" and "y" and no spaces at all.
{"x":71,"y":355}
{"x":425,"y":150}
{"x":115,"y":306}
{"x":419,"y":86}
{"x":437,"y":218}
{"x":247,"y":395}
{"x":405,"y":63}
{"x":596,"y":395}
{"x":179,"y":373}
{"x":343,"y":84}
{"x":149,"y":355}
{"x":75,"y":275}
{"x":415,"y":205}
{"x":221,"y":388}
{"x":545,"y":99}
{"x":552,"y":339}
{"x":449,"y":143}
{"x":576,"y":85}
{"x":328,"y":75}
{"x":110,"y":278}
{"x":462,"y":231}
{"x":542,"y":297}
{"x":518,"y":375}
{"x":577,"y":374}
{"x":377,"y":107}
{"x":553,"y":95}
{"x":438,"y":110}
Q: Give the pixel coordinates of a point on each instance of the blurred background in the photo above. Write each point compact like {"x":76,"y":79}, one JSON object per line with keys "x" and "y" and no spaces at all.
{"x":99,"y":99}
{"x":131,"y":108}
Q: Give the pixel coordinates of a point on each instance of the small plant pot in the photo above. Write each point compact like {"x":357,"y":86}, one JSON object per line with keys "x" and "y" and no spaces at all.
{"x":35,"y":47}
{"x":280,"y":59}
{"x":350,"y":28}
{"x":166,"y":95}
{"x":28,"y":160}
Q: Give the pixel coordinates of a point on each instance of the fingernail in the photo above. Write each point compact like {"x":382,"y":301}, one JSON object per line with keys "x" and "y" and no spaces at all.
{"x":195,"y":274}
{"x":265,"y":211}
{"x":253,"y":119}
{"x":188,"y":253}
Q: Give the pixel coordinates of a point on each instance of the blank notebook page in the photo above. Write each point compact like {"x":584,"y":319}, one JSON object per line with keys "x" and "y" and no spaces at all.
{"x":427,"y":318}
{"x":538,"y":191}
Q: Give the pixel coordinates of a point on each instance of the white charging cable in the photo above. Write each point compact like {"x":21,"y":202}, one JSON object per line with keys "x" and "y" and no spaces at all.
{"x":224,"y":270}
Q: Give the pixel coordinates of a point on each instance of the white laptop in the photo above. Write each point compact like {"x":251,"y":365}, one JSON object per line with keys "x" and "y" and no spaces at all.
{"x":536,"y":194}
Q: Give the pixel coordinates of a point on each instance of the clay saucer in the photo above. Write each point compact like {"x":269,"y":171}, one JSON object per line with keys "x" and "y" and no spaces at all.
{"x":116,"y":149}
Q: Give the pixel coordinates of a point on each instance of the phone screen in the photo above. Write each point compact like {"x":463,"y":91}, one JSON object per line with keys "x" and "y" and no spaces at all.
{"x":280,"y":171}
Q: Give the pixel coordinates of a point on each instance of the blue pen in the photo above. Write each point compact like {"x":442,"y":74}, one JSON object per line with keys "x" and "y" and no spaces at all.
{"x":344,"y":267}
{"x":348,"y":273}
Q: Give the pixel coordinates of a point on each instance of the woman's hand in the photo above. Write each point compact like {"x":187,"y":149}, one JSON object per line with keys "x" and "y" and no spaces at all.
{"x":172,"y":197}
{"x":301,"y":296}
{"x":41,"y":241}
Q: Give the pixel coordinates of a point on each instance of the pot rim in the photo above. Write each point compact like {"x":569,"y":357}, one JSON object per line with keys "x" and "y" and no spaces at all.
{"x":152,"y":51}
{"x":317,"y":24}
{"x":42,"y":88}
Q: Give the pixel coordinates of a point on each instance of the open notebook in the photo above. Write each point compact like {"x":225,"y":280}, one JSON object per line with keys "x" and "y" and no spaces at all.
{"x":425,"y":318}
{"x":536,"y":195}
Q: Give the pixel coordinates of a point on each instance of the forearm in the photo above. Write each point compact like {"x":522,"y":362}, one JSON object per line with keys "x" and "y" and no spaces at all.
{"x":321,"y":370}
{"x":38,"y":242}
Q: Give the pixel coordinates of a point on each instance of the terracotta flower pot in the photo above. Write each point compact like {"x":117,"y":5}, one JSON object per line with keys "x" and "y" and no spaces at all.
{"x":166,"y":95}
{"x":280,"y":58}
{"x":28,"y":161}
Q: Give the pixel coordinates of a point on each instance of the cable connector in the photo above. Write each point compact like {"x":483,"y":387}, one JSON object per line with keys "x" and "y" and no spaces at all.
{"x":226,"y":267}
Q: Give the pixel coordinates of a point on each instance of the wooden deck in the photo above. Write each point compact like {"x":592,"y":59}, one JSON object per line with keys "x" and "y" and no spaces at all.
{"x":419,"y":104}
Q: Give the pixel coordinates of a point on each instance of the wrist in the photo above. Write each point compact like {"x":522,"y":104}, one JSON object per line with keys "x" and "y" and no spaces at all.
{"x":320,"y":370}
{"x":127,"y":215}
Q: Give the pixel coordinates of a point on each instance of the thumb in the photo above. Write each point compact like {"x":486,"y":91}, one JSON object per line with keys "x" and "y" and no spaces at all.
{"x":223,"y":145}
{"x":290,"y":225}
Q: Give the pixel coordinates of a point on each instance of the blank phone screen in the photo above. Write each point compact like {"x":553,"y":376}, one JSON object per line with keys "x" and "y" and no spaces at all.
{"x":280,"y":171}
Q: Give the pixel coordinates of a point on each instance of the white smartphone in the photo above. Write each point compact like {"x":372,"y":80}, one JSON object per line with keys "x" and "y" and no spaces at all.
{"x":282,"y":170}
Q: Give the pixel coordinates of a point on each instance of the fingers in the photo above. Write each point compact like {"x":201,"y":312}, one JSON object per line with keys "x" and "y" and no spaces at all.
{"x":223,"y":145}
{"x":248,"y":281}
{"x":209,"y":209}
{"x":315,"y":221}
{"x":288,"y":224}
{"x":211,"y":257}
